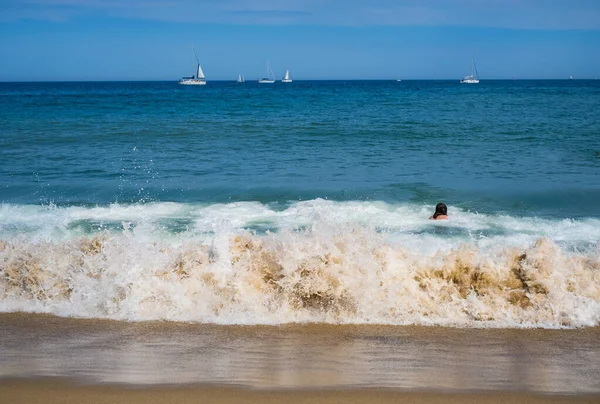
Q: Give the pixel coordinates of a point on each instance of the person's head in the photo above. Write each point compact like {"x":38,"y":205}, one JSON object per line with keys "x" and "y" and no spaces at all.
{"x":440,"y":210}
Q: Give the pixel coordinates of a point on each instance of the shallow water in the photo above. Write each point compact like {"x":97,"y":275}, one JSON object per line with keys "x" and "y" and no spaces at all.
{"x":313,"y":356}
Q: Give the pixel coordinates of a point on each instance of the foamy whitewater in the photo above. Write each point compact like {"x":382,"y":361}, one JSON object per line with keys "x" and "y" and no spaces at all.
{"x":312,"y":261}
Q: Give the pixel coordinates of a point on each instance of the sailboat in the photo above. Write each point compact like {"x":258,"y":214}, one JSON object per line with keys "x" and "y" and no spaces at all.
{"x":198,"y":79}
{"x":472,"y":78}
{"x":287,"y":78}
{"x":241,"y":79}
{"x":270,"y":79}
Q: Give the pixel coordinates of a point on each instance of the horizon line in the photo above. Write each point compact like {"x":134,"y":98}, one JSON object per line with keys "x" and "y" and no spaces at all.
{"x":295,"y":80}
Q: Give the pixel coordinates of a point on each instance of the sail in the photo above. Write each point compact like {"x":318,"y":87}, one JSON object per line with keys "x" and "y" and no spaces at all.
{"x":200,"y":74}
{"x":287,"y":75}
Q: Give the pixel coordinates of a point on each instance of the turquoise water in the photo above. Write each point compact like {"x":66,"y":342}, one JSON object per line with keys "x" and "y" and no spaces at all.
{"x":303,"y":202}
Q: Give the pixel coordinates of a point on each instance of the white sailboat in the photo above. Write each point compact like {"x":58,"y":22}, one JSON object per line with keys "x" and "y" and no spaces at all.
{"x":287,"y":78}
{"x":472,"y":78}
{"x":198,"y":79}
{"x":241,"y":79}
{"x":270,"y":79}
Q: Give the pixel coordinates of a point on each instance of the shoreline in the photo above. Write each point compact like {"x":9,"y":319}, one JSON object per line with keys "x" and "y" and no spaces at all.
{"x":61,"y":391}
{"x":34,"y":319}
{"x":107,"y":354}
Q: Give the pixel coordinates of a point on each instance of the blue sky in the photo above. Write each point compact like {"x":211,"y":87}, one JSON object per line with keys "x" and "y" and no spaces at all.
{"x":315,"y":39}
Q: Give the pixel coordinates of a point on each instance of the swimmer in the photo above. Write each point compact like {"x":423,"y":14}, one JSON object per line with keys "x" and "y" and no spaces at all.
{"x":441,"y":212}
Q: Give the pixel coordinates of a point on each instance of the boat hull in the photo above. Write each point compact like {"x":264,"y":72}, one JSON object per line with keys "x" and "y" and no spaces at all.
{"x":286,"y":80}
{"x":472,"y":81}
{"x":266,"y":81}
{"x":192,"y":82}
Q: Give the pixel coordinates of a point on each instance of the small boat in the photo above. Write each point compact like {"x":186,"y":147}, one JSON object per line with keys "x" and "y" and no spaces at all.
{"x":398,"y":80}
{"x":472,"y":78}
{"x":570,"y":77}
{"x":287,"y":78}
{"x":241,"y":79}
{"x":198,"y":79}
{"x":270,"y":79}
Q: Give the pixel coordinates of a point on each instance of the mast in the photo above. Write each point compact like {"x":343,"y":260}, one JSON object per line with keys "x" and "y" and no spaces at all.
{"x":194,"y":58}
{"x":475,"y":68}
{"x":270,"y":74}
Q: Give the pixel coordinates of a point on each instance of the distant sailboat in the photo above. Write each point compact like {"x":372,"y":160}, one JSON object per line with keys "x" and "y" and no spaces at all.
{"x":241,"y":79}
{"x":270,"y":79}
{"x":570,"y":77}
{"x":199,"y":79}
{"x":287,"y":78}
{"x":472,"y":78}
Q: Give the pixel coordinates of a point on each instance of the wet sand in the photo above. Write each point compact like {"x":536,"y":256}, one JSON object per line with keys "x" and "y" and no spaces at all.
{"x":55,"y":392}
{"x":58,"y":360}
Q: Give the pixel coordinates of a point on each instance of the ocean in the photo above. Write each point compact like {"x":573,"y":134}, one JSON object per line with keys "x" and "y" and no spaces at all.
{"x":305,"y":202}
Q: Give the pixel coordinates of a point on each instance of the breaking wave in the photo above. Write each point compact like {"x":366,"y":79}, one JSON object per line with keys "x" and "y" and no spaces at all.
{"x":314,"y":261}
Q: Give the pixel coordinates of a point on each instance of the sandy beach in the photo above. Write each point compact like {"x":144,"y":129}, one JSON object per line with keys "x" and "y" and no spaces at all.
{"x":61,"y":360}
{"x":55,"y":392}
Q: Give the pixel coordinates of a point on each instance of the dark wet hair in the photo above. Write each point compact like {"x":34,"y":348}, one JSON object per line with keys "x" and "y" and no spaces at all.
{"x":440,"y":210}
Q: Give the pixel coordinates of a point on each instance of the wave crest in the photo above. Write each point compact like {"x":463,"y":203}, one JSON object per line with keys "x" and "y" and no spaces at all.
{"x":318,"y":275}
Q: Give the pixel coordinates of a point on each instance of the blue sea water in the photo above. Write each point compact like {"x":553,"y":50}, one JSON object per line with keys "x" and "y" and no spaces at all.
{"x":517,"y":162}
{"x":518,"y":147}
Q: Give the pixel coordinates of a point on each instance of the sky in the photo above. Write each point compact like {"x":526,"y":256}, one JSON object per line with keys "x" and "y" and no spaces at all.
{"x":49,"y":40}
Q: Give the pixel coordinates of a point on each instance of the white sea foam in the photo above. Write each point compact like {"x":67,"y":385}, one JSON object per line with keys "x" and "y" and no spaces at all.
{"x":313,"y":261}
